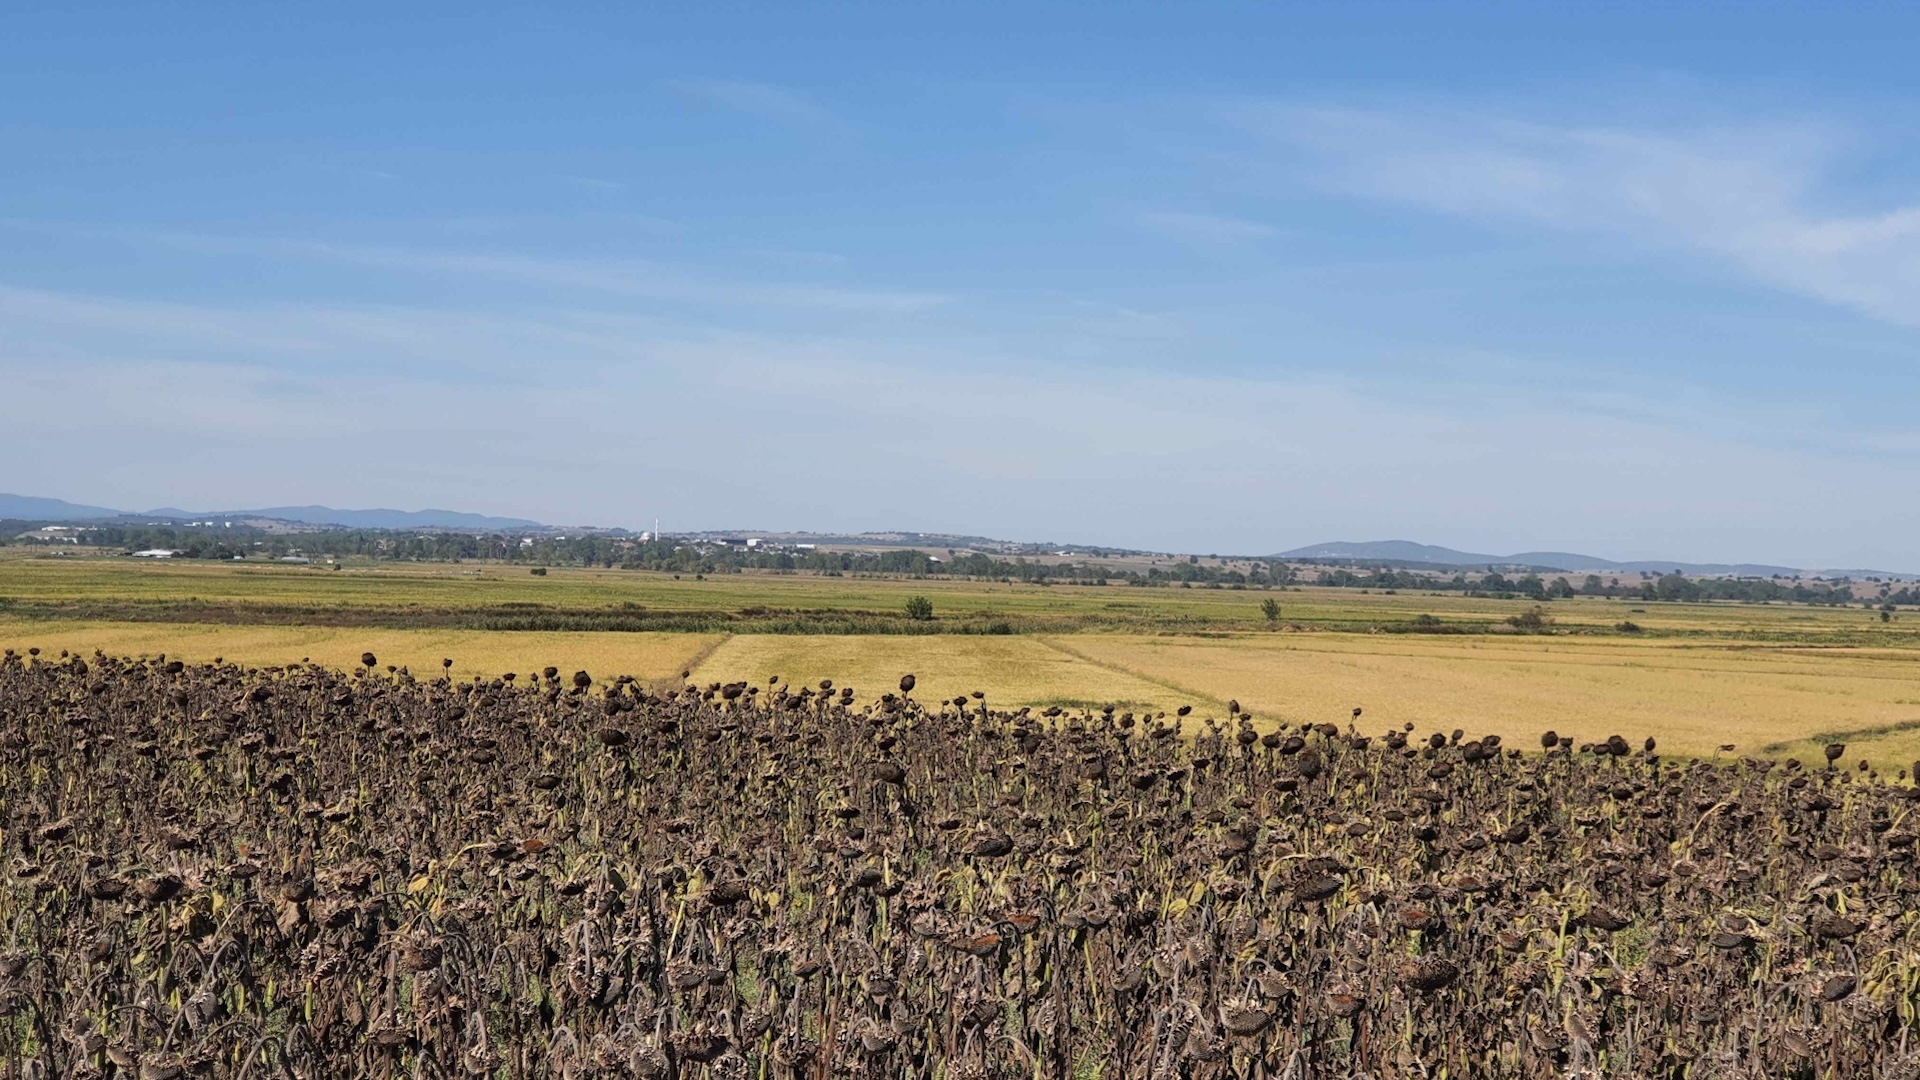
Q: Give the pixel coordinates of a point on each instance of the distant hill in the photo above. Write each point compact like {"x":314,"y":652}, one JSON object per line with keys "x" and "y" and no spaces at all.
{"x":902,"y":539}
{"x":32,"y":508}
{"x":1399,"y":553}
{"x":1407,"y":552}
{"x":1393,"y":551}
{"x":376,"y":519}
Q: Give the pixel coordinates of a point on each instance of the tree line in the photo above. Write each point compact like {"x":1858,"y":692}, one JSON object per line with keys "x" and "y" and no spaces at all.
{"x":1668,"y":587}
{"x":626,"y":551}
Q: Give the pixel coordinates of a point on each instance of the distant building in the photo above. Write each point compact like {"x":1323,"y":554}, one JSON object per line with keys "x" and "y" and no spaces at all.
{"x":155,"y":553}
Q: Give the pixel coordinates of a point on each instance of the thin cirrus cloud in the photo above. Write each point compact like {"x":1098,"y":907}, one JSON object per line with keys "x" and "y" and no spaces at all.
{"x":254,"y":388}
{"x":1204,"y":229}
{"x":634,"y":278}
{"x":595,"y":183}
{"x":764,"y":100}
{"x":1748,"y":197}
{"x":640,"y":279}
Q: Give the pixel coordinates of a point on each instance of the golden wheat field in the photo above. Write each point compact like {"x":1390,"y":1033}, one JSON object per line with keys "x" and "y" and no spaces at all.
{"x":1693,"y":696}
{"x":1766,"y":678}
{"x":474,"y":652}
{"x":1011,"y":671}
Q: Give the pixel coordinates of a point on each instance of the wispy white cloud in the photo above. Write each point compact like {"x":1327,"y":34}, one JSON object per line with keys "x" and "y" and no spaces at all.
{"x":767,"y":101}
{"x":617,"y":277}
{"x":635,"y":278}
{"x":428,"y":406}
{"x":1753,"y":198}
{"x":595,"y":183}
{"x":1212,"y":230}
{"x":795,"y":258}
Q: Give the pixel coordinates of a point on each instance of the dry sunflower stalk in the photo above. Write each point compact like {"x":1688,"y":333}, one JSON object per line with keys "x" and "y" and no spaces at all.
{"x":211,"y":871}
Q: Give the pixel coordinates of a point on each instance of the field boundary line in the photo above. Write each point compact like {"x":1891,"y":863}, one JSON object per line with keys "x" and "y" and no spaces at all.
{"x":1121,"y":669}
{"x":671,"y":681}
{"x":1822,"y":738}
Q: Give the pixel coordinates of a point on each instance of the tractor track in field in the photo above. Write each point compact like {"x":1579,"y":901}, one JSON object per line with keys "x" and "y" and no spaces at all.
{"x":1120,"y":669}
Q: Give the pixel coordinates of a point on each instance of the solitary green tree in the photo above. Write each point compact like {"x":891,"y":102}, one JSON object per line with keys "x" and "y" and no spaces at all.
{"x":1271,"y":609}
{"x":919,"y":608}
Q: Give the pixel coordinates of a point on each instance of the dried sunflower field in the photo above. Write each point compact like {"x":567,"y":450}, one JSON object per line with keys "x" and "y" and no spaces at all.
{"x":210,"y":870}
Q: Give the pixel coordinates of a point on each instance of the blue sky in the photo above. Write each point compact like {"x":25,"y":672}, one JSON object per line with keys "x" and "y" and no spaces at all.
{"x":1635,"y":279}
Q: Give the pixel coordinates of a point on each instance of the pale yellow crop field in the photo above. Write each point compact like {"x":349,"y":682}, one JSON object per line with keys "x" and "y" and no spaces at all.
{"x":152,"y":587}
{"x":473,"y":652}
{"x":1012,"y":671}
{"x":1692,"y":695}
{"x":1693,"y":698}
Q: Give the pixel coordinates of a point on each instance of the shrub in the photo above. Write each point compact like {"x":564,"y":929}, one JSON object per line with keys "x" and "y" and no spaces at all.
{"x":1531,"y":621}
{"x":538,"y":571}
{"x":919,"y":608}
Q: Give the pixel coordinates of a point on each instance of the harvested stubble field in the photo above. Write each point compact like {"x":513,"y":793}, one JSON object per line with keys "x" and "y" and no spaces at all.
{"x":1775,"y":680}
{"x":300,"y":872}
{"x":493,"y":596}
{"x":651,"y":656}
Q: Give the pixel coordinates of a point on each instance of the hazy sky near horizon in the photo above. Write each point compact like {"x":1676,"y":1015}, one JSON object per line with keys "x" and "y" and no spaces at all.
{"x":1636,"y":279}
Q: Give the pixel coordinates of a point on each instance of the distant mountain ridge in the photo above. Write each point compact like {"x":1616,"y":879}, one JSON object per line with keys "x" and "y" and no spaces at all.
{"x":1408,"y":552}
{"x":31,"y":508}
{"x":1404,"y":553}
{"x":382,"y":518}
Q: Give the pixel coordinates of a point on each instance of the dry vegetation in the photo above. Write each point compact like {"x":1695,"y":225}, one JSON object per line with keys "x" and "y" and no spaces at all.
{"x":1776,"y":700}
{"x":1013,"y":671}
{"x":298,"y":872}
{"x":1694,"y":696}
{"x":479,"y":652}
{"x":491,"y":596}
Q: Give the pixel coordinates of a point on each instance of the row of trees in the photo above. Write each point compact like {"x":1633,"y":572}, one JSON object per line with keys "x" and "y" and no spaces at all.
{"x":224,"y":543}
{"x":629,"y":552}
{"x":1670,"y":587}
{"x":624,"y":551}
